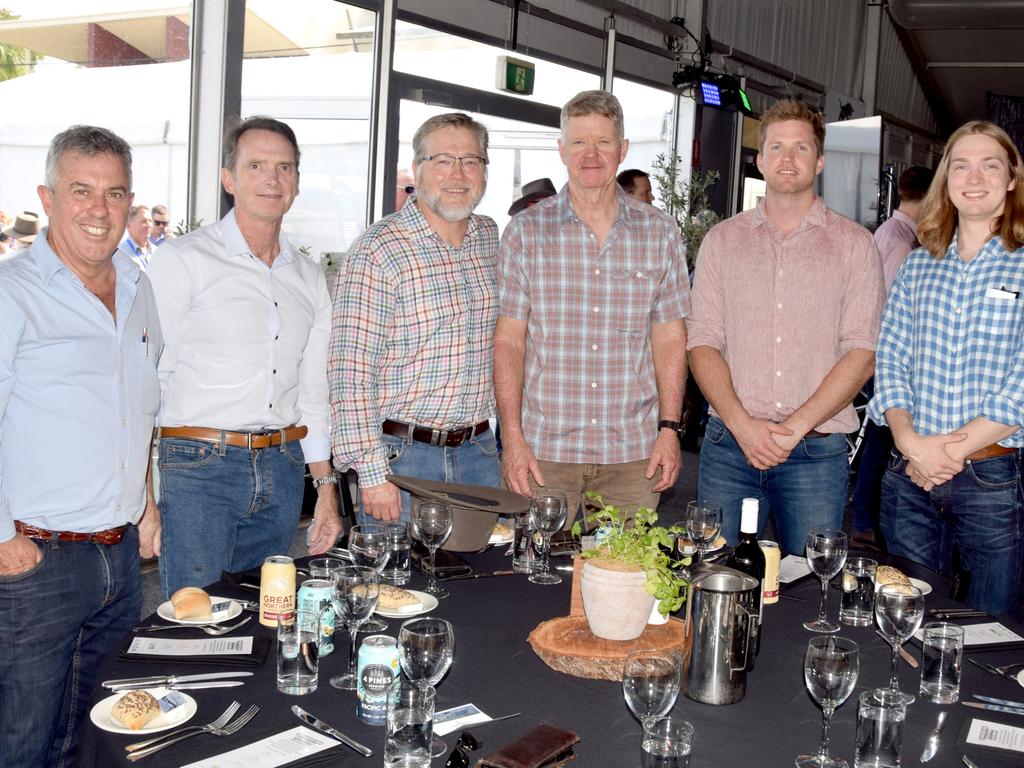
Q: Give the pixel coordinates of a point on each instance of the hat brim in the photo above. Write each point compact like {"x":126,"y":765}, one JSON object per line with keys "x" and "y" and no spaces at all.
{"x":14,"y":234}
{"x":522,"y":202}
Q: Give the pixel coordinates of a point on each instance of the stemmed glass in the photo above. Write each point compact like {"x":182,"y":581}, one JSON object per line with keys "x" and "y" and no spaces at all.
{"x":650,"y":683}
{"x":703,"y":523}
{"x":899,"y":611}
{"x":425,"y":650}
{"x":547,"y":512}
{"x":831,"y":665}
{"x":354,"y":597}
{"x":826,"y":555}
{"x":432,"y":524}
{"x":368,"y":544}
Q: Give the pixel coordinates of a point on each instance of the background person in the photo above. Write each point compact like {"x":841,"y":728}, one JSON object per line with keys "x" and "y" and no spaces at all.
{"x":637,"y":184}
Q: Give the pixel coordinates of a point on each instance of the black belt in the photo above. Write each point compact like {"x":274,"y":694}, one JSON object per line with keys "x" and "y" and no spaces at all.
{"x":448,"y":438}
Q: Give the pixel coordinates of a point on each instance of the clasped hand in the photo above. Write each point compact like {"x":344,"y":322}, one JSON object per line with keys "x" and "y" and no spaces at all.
{"x":930,"y":459}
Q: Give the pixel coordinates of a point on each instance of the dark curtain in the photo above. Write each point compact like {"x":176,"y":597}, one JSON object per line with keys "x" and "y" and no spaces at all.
{"x":1008,"y":113}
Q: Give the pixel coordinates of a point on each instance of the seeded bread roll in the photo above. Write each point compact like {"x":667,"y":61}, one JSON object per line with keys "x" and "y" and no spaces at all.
{"x":393,"y":598}
{"x":191,"y":603}
{"x":886,"y":574}
{"x":135,"y":709}
{"x":501,"y":530}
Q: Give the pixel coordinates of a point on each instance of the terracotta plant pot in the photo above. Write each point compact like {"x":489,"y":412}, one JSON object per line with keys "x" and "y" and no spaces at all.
{"x":614,"y":600}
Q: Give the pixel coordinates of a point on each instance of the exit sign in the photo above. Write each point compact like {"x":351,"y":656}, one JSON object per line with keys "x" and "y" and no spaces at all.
{"x":515,"y":76}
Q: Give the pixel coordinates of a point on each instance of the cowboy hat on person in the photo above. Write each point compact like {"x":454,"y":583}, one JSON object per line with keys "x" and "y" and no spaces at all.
{"x":533,"y":191}
{"x":25,"y":227}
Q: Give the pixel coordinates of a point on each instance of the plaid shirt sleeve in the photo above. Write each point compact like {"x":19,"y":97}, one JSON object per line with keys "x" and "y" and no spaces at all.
{"x":673,"y":300}
{"x":1007,"y":405}
{"x":893,"y":357}
{"x":513,"y":283}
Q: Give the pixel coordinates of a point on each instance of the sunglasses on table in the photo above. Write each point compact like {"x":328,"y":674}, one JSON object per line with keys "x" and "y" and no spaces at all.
{"x":459,"y":757}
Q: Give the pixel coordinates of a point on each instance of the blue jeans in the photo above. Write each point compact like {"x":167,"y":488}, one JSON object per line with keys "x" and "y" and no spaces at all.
{"x":58,"y":621}
{"x":979,"y":511}
{"x":475,"y":462}
{"x":225,"y":508}
{"x":806,"y":491}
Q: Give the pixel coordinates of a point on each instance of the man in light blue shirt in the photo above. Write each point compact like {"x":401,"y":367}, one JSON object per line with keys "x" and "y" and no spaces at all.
{"x":136,"y":245}
{"x":79,"y":345}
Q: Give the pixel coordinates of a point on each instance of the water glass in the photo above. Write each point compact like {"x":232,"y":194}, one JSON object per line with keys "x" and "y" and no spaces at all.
{"x":432,"y":524}
{"x":667,"y":743}
{"x":524,"y":556}
{"x":880,"y":716}
{"x":831,"y":667}
{"x":297,"y":658}
{"x":410,"y":725}
{"x":324,"y":567}
{"x":898,"y":611}
{"x":650,"y":683}
{"x":400,"y":545}
{"x":942,"y":650}
{"x":826,"y":555}
{"x":857,"y":604}
{"x":547,"y":514}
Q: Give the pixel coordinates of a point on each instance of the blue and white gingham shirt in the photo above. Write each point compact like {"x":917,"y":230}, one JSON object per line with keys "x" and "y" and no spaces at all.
{"x":952,"y":341}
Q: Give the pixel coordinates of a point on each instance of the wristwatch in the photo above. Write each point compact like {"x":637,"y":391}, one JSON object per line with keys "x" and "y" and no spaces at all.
{"x":330,"y":479}
{"x":675,"y":426}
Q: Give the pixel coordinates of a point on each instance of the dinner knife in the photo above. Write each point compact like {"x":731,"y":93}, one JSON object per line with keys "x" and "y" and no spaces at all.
{"x":994,"y":707}
{"x":1004,"y":702}
{"x":167,"y":679}
{"x":180,"y":686}
{"x":475,"y":575}
{"x":320,"y":725}
{"x":931,"y":746}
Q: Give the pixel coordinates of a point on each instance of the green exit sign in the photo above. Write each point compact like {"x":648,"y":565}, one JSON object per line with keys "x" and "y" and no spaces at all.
{"x":515,"y":76}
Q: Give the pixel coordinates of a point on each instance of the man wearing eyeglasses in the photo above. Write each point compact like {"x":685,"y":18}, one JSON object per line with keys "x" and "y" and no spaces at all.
{"x":160,"y":226}
{"x":410,"y":359}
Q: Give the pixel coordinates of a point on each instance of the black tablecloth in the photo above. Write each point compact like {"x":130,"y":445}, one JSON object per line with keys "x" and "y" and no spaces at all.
{"x":496,"y":669}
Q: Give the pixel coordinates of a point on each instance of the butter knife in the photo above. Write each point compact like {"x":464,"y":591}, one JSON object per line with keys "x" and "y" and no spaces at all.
{"x":180,"y":686}
{"x":159,"y":680}
{"x":994,"y":707}
{"x":1004,"y":702}
{"x":320,"y":725}
{"x":931,"y":746}
{"x":968,"y":762}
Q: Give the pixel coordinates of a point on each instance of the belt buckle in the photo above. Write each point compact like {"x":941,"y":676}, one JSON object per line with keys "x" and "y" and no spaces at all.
{"x":438,"y":436}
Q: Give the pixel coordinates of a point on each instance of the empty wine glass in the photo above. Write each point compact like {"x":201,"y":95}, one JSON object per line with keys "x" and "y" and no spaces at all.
{"x":547,"y":512}
{"x":703,"y":523}
{"x":650,"y":683}
{"x":368,"y":544}
{"x":826,"y":555}
{"x":355,"y":593}
{"x":432,"y":524}
{"x":899,"y":611}
{"x":831,"y":665}
{"x":425,"y":650}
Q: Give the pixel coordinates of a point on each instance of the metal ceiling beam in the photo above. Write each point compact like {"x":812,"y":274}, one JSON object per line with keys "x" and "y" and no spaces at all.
{"x":929,"y":85}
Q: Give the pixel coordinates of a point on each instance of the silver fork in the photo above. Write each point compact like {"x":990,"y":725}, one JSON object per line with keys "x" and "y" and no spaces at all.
{"x":220,"y":722}
{"x":226,"y":730}
{"x":211,"y":629}
{"x":997,"y":671}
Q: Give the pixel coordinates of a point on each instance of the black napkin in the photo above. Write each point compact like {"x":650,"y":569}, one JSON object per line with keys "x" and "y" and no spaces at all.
{"x":243,"y":579}
{"x":327,"y":758}
{"x":261,"y":647}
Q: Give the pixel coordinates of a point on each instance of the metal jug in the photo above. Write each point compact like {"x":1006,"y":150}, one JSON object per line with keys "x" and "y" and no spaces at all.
{"x":721,"y":628}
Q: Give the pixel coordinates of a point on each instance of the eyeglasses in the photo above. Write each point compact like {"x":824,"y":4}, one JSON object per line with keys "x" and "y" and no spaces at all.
{"x":446,"y":162}
{"x":158,"y":223}
{"x":459,"y":758}
{"x":408,"y":189}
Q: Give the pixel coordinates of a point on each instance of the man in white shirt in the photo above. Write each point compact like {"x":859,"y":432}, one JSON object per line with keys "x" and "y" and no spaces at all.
{"x":244,"y":374}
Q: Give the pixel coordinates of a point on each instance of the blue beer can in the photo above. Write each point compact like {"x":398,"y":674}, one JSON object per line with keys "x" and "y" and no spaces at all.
{"x":377,"y":668}
{"x":313,"y":605}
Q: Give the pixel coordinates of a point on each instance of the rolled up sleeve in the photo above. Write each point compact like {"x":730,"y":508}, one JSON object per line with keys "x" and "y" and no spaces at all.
{"x":705,"y":325}
{"x":893,"y":380}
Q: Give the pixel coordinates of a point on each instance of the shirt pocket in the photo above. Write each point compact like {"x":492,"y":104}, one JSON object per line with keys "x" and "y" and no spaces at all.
{"x":632,"y":292}
{"x":998,"y":321}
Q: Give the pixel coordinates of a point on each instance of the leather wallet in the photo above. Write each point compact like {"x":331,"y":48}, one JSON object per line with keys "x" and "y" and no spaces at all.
{"x":542,"y":747}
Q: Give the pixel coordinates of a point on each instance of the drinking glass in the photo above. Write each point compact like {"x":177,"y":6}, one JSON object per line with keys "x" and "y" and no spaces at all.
{"x":368,"y":544}
{"x":667,"y":743}
{"x":400,"y":544}
{"x":899,"y":610}
{"x":425,"y":650}
{"x":942,"y":650}
{"x":826,"y":554}
{"x":547,"y":511}
{"x":703,"y":523}
{"x":857,"y":597}
{"x":880,"y":719}
{"x":409,"y":726}
{"x":830,"y":672}
{"x":432,"y":523}
{"x":650,"y":684}
{"x":354,"y":597}
{"x":297,"y":658}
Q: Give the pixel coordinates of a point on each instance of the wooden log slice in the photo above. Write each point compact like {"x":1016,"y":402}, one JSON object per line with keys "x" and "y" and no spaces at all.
{"x":567,"y":645}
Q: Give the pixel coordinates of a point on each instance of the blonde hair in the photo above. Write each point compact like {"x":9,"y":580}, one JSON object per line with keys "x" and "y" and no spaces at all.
{"x":593,"y":103}
{"x":938,"y":217}
{"x":792,"y":109}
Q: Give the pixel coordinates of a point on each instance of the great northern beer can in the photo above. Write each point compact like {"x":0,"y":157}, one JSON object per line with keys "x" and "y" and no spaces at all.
{"x":772,"y":558}
{"x":313,"y":606}
{"x":277,"y":591}
{"x":377,"y":669}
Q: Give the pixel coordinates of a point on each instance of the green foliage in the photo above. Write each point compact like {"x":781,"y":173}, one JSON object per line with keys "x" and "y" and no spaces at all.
{"x":14,"y":61}
{"x":638,"y":541}
{"x":184,"y":227}
{"x":685,"y":197}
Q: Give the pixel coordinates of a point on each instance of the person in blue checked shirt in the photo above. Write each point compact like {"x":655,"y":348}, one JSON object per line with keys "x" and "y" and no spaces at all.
{"x":950,"y":373}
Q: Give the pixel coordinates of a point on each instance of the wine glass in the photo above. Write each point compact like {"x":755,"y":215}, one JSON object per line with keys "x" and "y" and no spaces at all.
{"x":703,"y":523}
{"x":425,"y":650}
{"x":432,"y":523}
{"x":650,"y":683}
{"x":368,"y":544}
{"x":826,"y":555}
{"x":547,"y":512}
{"x":354,"y":597}
{"x":899,"y":610}
{"x":830,"y":672}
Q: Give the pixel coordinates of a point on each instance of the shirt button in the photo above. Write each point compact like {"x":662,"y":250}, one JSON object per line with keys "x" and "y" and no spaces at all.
{"x":593,"y":421}
{"x":957,"y":310}
{"x":122,"y":466}
{"x":597,"y":309}
{"x":124,"y":422}
{"x":639,"y":274}
{"x":597,"y":271}
{"x":276,"y":338}
{"x":593,"y":346}
{"x":778,"y":405}
{"x":779,"y":305}
{"x":275,"y":370}
{"x":778,"y":373}
{"x":271,"y":405}
{"x":593,"y":385}
{"x":778,"y":339}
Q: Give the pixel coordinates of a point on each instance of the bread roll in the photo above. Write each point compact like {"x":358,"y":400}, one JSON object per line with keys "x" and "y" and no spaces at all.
{"x":886,"y":574}
{"x":135,"y":709}
{"x":501,"y":530}
{"x":191,"y":603}
{"x":393,"y":598}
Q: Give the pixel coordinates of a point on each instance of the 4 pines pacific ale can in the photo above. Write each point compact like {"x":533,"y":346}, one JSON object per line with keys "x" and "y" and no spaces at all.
{"x":377,"y":669}
{"x":277,"y":591}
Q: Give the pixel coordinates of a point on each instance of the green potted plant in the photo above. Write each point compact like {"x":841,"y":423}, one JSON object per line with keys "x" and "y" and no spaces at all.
{"x":684,"y":196}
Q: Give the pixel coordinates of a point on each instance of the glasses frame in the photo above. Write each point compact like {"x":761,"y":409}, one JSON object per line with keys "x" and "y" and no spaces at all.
{"x":460,"y":159}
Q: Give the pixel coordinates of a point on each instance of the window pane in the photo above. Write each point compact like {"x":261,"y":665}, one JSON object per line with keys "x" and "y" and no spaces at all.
{"x":648,"y":116}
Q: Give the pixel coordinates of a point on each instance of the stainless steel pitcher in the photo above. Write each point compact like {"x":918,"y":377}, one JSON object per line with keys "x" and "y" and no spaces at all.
{"x":722,"y":626}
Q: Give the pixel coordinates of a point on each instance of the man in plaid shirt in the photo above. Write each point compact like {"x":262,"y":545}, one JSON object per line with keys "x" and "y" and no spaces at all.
{"x":589,"y":359}
{"x":950,"y":373}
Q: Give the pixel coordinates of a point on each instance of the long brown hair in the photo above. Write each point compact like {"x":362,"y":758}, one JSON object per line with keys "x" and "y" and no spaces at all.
{"x":938,"y":218}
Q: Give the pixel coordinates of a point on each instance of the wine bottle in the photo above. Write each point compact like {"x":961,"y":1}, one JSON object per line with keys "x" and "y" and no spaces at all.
{"x":748,"y":558}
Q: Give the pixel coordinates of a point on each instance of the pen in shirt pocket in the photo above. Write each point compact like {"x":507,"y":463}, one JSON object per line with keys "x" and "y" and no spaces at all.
{"x":145,"y":339}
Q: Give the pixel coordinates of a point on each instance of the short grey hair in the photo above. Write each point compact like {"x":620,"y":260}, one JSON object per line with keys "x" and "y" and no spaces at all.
{"x":237,"y":127}
{"x":449,"y":120}
{"x":135,"y":210}
{"x":593,"y":103}
{"x":88,"y":140}
{"x":159,"y":208}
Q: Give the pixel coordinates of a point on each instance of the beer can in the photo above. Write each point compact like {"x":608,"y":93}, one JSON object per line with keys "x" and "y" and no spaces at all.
{"x":772,"y":558}
{"x":314,"y":611}
{"x":277,"y":591}
{"x":377,"y":669}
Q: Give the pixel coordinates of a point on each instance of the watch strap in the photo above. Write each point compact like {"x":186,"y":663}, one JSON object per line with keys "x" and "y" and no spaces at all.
{"x":675,"y":426}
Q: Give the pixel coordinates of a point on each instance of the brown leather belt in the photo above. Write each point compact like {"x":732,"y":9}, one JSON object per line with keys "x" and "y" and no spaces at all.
{"x":815,"y":433}
{"x":989,"y":452}
{"x":250,"y":440}
{"x":109,"y":536}
{"x":448,"y":438}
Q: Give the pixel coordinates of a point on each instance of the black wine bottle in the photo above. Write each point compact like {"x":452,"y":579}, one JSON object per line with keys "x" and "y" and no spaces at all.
{"x":748,"y":558}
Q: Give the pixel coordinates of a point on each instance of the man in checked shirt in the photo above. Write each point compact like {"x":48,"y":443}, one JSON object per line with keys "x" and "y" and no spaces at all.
{"x":950,"y":375}
{"x":589,"y":359}
{"x":410,"y":359}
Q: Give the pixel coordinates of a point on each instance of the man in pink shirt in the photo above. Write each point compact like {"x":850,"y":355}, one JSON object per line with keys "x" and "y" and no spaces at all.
{"x":786,"y":306}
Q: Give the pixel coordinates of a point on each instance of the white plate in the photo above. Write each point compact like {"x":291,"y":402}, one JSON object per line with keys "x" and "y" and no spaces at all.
{"x":497,"y":539}
{"x":101,"y":714}
{"x":1020,"y":677}
{"x":166,"y":611}
{"x":426,"y":605}
{"x":924,"y":586}
{"x":689,"y":549}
